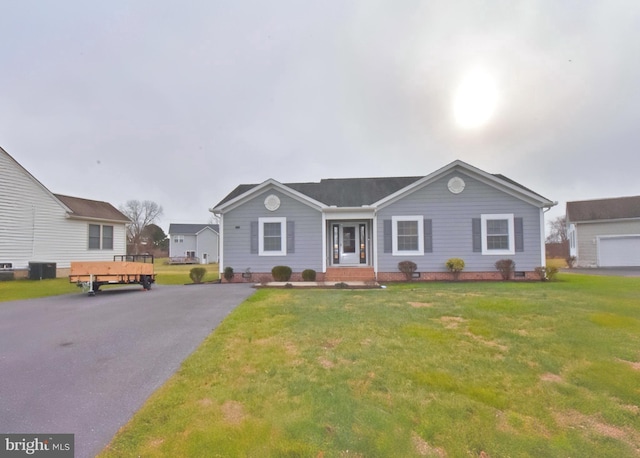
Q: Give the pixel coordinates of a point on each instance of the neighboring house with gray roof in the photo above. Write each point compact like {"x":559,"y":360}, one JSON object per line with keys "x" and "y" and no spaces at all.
{"x":194,"y":243}
{"x":605,"y":232}
{"x":361,"y":228}
{"x":37,"y":226}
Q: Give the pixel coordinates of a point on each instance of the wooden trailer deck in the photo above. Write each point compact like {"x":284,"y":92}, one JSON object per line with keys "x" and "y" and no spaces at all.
{"x":123,"y":270}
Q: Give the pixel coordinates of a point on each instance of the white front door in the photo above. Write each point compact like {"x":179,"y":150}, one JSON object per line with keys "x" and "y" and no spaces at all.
{"x":349,"y":243}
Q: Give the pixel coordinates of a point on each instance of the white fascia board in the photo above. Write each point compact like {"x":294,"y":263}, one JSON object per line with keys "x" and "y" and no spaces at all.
{"x":604,"y":221}
{"x":344,"y":213}
{"x":206,"y":228}
{"x":71,"y":215}
{"x":473,"y":172}
{"x":391,"y":198}
{"x":243,"y":198}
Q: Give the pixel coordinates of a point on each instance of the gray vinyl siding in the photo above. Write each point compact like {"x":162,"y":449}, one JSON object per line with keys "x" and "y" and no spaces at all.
{"x":34,"y":226}
{"x":237,"y":235}
{"x":451,"y":218}
{"x":206,"y":241}
{"x":587,"y":234}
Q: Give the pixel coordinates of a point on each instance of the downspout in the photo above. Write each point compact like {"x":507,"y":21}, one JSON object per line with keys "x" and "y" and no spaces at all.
{"x":374,"y":242}
{"x":220,"y":242}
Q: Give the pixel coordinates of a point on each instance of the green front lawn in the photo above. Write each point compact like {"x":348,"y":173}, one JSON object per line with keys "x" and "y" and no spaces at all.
{"x":429,"y":369}
{"x":178,"y":274}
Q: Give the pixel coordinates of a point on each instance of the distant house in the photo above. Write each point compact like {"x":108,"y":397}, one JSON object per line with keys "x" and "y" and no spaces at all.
{"x":194,"y":243}
{"x":605,"y":232}
{"x":39,"y":227}
{"x":361,"y":228}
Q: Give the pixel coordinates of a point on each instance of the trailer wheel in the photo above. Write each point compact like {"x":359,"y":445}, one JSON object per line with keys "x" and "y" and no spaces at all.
{"x":146,"y":282}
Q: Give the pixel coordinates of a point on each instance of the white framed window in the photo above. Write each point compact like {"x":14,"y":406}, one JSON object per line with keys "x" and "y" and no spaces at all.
{"x":178,"y":238}
{"x":407,"y":235}
{"x":272,"y":236}
{"x":498,"y":235}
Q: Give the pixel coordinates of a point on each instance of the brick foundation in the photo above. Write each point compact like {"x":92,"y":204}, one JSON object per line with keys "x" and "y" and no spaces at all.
{"x":447,"y":276}
{"x":266,"y":277}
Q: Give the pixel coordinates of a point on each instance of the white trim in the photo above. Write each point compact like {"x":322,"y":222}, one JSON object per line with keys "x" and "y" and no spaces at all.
{"x":483,"y":229}
{"x":325,"y":253}
{"x":543,"y":247}
{"x":473,"y":172}
{"x":394,"y":235}
{"x":573,"y":240}
{"x":221,"y":246}
{"x":266,"y":185}
{"x":348,"y":213}
{"x":283,"y":236}
{"x":374,"y":243}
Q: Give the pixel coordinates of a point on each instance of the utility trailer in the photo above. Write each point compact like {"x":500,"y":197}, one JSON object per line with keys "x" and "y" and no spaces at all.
{"x":123,"y":270}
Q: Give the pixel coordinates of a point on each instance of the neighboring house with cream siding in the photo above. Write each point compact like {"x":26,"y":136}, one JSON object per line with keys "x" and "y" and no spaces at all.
{"x":37,"y":226}
{"x":605,"y":232}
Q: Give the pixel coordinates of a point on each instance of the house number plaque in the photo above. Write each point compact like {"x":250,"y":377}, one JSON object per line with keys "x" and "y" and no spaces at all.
{"x":272,"y":202}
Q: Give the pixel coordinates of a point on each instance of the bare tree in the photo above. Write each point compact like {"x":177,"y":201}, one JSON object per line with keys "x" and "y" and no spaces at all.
{"x":141,"y":214}
{"x":558,"y":230}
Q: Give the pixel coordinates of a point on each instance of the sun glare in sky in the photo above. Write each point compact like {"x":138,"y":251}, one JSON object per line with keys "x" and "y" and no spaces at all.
{"x":475,"y":100}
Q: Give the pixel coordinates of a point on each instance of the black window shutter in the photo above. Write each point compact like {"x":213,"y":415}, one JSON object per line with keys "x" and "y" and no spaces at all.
{"x":476,"y":227}
{"x":518,"y":234}
{"x":291,"y":237}
{"x":254,"y":237}
{"x":388,"y":242}
{"x":428,"y":236}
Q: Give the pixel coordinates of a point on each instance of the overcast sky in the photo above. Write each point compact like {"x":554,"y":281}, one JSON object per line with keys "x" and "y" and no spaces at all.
{"x":179,"y":102}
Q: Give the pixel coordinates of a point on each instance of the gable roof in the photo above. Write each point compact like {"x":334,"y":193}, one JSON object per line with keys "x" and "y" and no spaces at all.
{"x":75,"y":206}
{"x":92,"y":209}
{"x":358,"y":192}
{"x":604,"y":209}
{"x":192,"y":229}
{"x":341,"y":192}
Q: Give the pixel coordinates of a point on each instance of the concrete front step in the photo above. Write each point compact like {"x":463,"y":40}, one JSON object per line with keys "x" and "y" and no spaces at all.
{"x":347,"y":274}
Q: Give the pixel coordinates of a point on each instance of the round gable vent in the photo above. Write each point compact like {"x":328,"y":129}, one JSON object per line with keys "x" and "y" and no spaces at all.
{"x":272,"y":202}
{"x":456,"y":185}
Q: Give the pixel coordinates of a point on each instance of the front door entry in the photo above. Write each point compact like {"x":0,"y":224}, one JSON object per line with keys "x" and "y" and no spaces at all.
{"x":349,"y":243}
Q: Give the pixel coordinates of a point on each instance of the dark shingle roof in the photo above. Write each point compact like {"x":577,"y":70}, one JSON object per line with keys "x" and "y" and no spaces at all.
{"x":341,"y":192}
{"x":352,"y":192}
{"x":356,"y":192}
{"x":190,"y":229}
{"x":604,"y":209}
{"x":94,"y":209}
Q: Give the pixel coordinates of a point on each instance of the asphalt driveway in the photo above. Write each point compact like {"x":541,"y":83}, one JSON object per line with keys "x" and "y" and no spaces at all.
{"x":607,"y":271}
{"x":84,"y":365}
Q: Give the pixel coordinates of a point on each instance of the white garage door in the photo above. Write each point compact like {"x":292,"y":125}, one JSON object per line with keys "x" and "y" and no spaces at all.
{"x":619,"y":251}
